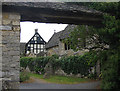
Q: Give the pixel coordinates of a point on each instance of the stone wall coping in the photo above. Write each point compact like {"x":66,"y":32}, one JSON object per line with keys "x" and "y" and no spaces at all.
{"x":5,"y":28}
{"x":5,"y":79}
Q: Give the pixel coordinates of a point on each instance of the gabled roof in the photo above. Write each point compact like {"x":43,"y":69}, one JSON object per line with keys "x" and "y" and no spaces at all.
{"x":66,"y":31}
{"x":54,"y":40}
{"x":36,"y":33}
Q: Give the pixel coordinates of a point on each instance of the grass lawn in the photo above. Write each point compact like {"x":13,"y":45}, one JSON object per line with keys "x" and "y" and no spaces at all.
{"x":61,"y":79}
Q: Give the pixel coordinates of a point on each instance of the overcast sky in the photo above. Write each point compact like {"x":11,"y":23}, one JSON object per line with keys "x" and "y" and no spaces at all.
{"x":46,"y":30}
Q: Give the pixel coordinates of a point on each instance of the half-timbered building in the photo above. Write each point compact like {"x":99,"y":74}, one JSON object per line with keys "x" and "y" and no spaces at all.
{"x":36,"y":44}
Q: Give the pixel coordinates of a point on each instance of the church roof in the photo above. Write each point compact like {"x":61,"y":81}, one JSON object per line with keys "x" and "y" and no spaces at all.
{"x":54,"y":40}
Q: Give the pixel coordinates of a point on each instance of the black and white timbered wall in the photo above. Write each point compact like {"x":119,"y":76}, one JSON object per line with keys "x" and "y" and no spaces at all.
{"x":36,"y":44}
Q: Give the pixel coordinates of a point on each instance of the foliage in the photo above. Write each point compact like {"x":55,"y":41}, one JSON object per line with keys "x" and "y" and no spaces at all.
{"x":72,"y":64}
{"x":77,"y":38}
{"x":92,"y":76}
{"x":110,"y":60}
{"x":110,"y":32}
{"x":24,"y":61}
{"x":110,"y":69}
{"x":24,"y":76}
{"x":106,"y":7}
{"x":108,"y":35}
{"x":39,"y":64}
{"x":91,"y":58}
{"x":79,"y":64}
{"x":75,"y":65}
{"x":55,"y":56}
{"x":34,"y":64}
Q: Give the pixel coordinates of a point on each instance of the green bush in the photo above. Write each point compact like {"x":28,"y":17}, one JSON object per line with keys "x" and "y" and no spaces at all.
{"x":110,"y":70}
{"x":75,"y":65}
{"x":34,"y":64}
{"x":92,"y":76}
{"x":40,"y":63}
{"x":24,"y":61}
{"x":24,"y":76}
{"x":71,"y":64}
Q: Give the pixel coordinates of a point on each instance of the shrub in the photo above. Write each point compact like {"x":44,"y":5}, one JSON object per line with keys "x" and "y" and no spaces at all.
{"x":110,"y":70}
{"x":34,"y":64}
{"x":24,"y":61}
{"x":92,"y":76}
{"x":24,"y":76}
{"x":39,"y":64}
{"x":75,"y":65}
{"x":71,"y":64}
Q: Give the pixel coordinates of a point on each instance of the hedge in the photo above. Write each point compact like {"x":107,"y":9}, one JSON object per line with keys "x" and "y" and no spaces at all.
{"x":71,"y":64}
{"x":75,"y":65}
{"x":37,"y":64}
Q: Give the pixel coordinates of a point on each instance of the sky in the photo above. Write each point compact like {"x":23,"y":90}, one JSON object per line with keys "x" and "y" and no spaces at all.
{"x":46,"y":30}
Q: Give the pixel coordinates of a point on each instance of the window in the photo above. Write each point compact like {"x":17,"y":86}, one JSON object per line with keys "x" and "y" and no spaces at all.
{"x":41,"y":46}
{"x":67,"y":46}
{"x":28,"y":52}
{"x":28,"y":45}
{"x":41,"y":50}
{"x":31,"y":45}
{"x":34,"y":45}
{"x":35,"y":38}
{"x":35,"y":51}
{"x":31,"y":49}
{"x":37,"y":35}
{"x":41,"y":39}
{"x":38,"y":46}
{"x":38,"y":51}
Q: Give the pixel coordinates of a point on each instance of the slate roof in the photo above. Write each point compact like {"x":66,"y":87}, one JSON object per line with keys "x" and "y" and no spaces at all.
{"x":67,"y":30}
{"x":54,"y":40}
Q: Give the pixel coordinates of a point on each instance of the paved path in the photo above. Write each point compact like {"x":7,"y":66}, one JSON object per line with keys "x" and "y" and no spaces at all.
{"x":44,"y":85}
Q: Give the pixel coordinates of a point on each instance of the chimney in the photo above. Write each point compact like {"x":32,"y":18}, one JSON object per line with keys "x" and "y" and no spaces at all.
{"x":36,"y":30}
{"x":54,"y":31}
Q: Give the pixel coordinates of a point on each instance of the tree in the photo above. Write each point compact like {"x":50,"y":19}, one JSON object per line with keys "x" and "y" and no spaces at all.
{"x":108,"y":35}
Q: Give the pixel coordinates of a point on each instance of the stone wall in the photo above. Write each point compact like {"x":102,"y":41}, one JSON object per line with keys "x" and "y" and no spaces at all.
{"x":0,"y":47}
{"x":53,"y":50}
{"x":10,"y":48}
{"x":60,"y":50}
{"x":69,"y":52}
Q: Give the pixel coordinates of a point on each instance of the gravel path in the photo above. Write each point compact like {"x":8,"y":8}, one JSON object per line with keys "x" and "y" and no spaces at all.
{"x":40,"y":84}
